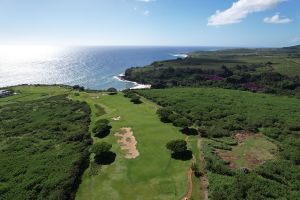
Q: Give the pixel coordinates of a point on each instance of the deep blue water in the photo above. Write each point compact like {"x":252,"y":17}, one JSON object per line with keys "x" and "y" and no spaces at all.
{"x":91,"y":67}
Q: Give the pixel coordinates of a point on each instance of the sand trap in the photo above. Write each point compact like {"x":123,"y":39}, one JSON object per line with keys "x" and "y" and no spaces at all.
{"x":116,"y":118}
{"x":128,"y":142}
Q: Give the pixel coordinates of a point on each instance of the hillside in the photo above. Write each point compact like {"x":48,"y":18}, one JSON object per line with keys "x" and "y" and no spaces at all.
{"x":230,"y":150}
{"x":241,"y":131}
{"x":44,"y":144}
{"x":265,"y":70}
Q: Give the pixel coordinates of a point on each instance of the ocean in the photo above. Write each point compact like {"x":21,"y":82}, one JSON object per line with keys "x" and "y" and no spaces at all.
{"x":91,"y":67}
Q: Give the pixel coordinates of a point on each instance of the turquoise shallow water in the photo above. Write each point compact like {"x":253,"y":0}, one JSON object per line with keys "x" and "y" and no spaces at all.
{"x":91,"y":67}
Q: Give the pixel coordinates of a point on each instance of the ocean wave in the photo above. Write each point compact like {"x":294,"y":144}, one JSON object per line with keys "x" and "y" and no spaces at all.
{"x":120,"y":77}
{"x":181,"y":55}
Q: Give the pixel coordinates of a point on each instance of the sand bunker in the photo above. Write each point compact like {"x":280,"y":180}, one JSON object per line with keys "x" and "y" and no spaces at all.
{"x":116,"y":118}
{"x":128,"y":142}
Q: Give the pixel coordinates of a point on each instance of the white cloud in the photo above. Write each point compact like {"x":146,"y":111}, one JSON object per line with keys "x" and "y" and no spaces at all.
{"x":277,"y":19}
{"x":240,"y":10}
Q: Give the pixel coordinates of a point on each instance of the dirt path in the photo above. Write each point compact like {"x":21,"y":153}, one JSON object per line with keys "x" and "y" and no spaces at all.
{"x":203,"y":179}
{"x":188,"y":195}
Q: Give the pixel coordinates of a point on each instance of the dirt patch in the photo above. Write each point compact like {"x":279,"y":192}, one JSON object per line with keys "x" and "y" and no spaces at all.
{"x":204,"y":186}
{"x":242,"y":136}
{"x":252,"y":161}
{"x":188,"y":195}
{"x":128,"y":142}
{"x":252,"y":151}
{"x":228,"y":157}
{"x":116,"y":118}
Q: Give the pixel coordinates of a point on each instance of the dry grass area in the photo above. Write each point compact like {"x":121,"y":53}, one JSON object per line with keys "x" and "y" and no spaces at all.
{"x":252,"y":150}
{"x":128,"y":142}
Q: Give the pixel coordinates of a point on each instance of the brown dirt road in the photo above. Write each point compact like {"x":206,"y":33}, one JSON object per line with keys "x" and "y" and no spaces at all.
{"x":188,"y":195}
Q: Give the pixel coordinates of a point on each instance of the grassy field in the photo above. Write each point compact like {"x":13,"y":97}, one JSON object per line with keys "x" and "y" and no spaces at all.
{"x":152,"y":175}
{"x":28,"y":93}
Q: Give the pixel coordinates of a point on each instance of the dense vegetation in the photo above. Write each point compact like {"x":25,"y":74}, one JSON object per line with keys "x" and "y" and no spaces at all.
{"x":44,"y":148}
{"x":260,"y":70}
{"x":219,"y":113}
{"x":102,"y":128}
{"x":102,"y":152}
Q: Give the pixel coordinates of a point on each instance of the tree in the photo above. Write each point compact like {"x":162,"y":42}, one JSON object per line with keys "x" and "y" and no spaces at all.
{"x":77,"y":87}
{"x":181,"y":122}
{"x":136,"y":99}
{"x":100,"y":148}
{"x":102,"y":128}
{"x":112,"y":91}
{"x":177,"y":146}
{"x":102,"y":152}
{"x":164,"y":114}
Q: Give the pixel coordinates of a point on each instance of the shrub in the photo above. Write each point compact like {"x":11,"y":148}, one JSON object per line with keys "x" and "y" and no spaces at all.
{"x":182,"y":122}
{"x":102,"y":128}
{"x":136,"y":99}
{"x":164,"y":114}
{"x":100,"y":148}
{"x":112,"y":91}
{"x":177,"y":146}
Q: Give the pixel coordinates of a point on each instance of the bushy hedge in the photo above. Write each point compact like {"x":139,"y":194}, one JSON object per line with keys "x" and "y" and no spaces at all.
{"x":44,"y":148}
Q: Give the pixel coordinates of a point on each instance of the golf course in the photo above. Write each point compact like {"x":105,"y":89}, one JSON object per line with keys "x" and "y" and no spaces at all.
{"x":226,"y":145}
{"x":151,"y":175}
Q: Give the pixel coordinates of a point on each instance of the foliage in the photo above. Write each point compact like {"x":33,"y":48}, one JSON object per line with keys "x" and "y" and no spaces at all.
{"x":79,"y":88}
{"x":100,"y":148}
{"x":269,"y":71}
{"x":102,"y":152}
{"x":218,"y":113}
{"x":133,"y":97}
{"x":164,"y":114}
{"x":102,"y":128}
{"x":44,"y":148}
{"x":177,"y":145}
{"x":112,"y":91}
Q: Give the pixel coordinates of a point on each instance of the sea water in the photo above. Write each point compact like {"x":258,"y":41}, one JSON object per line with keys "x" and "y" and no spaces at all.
{"x":91,"y":67}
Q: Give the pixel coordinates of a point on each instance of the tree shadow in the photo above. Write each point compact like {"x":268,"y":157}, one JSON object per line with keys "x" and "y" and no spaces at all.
{"x":189,"y":131}
{"x":102,"y":134}
{"x":105,"y":158}
{"x":184,"y":155}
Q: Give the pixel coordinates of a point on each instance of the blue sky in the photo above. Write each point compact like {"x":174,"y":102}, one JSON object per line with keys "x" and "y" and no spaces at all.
{"x":251,"y":23}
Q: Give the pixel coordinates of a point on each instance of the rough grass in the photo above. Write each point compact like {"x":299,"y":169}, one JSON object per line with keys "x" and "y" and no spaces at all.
{"x":255,"y":150}
{"x":44,"y":147}
{"x":152,"y":175}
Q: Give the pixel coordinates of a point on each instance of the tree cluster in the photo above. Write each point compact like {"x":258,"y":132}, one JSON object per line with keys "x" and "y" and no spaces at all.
{"x":134,"y":98}
{"x":102,"y":128}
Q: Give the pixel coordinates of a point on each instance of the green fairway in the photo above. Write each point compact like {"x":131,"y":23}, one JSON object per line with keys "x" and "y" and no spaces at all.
{"x":28,"y":93}
{"x":152,"y":175}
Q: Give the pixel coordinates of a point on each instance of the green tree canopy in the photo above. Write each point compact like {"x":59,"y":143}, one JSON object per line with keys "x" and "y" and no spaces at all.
{"x":164,"y":114}
{"x":177,"y":146}
{"x":112,"y":90}
{"x":100,"y":148}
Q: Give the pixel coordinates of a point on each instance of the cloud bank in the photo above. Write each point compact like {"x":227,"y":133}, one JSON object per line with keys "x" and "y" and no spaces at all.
{"x":240,"y":10}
